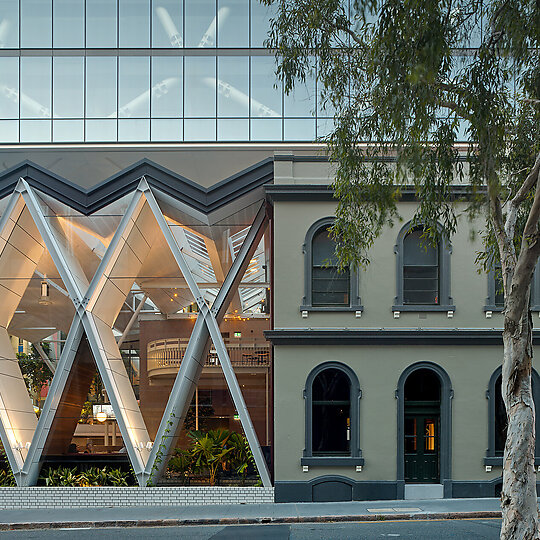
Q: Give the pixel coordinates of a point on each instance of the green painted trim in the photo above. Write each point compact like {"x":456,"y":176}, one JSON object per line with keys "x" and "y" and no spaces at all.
{"x":384,"y":336}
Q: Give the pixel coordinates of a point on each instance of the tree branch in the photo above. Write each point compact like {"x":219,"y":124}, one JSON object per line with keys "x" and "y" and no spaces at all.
{"x":531,"y":227}
{"x":528,"y":256}
{"x":520,"y":196}
{"x":353,"y":35}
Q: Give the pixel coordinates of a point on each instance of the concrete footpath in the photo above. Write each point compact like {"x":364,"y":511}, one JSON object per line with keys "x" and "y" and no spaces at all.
{"x":162,"y":516}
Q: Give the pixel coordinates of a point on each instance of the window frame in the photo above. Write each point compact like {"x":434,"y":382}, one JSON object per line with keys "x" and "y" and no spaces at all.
{"x":534,"y":303}
{"x":355,"y":302}
{"x":446,"y":302}
{"x":355,"y":458}
{"x":491,"y":458}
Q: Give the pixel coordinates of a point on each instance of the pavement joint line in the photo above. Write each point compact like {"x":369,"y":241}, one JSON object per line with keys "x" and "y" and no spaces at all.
{"x":248,"y":521}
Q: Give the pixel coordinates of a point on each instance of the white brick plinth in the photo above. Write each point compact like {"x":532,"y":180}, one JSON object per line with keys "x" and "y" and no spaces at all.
{"x":83,"y":497}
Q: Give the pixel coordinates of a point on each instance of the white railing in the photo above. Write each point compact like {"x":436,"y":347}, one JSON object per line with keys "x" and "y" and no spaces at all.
{"x":168,"y":353}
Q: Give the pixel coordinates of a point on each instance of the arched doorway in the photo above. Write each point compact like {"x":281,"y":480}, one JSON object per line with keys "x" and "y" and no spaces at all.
{"x":422,"y":395}
{"x":424,"y":422}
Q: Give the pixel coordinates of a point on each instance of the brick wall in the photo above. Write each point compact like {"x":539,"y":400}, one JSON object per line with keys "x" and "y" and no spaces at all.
{"x":80,"y":497}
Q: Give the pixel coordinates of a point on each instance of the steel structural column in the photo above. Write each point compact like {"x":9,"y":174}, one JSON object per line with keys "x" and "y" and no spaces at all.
{"x":81,"y":299}
{"x":30,"y":470}
{"x":137,"y":455}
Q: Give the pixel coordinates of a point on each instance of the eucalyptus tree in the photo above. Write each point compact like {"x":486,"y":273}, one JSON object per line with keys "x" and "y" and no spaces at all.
{"x":407,"y":80}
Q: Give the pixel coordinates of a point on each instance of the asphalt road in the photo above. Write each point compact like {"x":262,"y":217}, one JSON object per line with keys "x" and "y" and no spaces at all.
{"x":480,"y":529}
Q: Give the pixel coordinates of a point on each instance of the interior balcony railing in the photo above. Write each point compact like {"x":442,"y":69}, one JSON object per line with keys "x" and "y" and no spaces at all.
{"x":164,"y":356}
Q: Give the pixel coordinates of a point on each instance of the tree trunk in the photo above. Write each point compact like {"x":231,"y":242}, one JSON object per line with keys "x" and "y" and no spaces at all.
{"x":518,"y":497}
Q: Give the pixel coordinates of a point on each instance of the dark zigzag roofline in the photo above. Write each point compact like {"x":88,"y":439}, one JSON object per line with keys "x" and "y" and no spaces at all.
{"x":87,"y":202}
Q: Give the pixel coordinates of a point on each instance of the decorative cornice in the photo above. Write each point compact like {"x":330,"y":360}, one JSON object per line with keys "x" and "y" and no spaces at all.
{"x":386,"y":336}
{"x":116,"y":186}
{"x":325,"y":192}
{"x":326,"y":159}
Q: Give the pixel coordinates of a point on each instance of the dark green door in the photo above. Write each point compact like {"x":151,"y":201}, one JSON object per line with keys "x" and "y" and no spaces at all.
{"x":422,"y":445}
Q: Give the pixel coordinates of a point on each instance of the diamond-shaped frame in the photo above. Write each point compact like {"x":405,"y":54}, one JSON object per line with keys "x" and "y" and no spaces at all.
{"x":97,"y":305}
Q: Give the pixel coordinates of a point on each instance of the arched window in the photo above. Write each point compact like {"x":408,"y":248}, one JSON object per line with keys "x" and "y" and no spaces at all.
{"x":498,"y":420}
{"x":332,"y":431}
{"x":326,"y":287}
{"x":423,"y":272}
{"x":495,"y":297}
{"x":329,"y":285}
{"x":331,"y":413}
{"x":420,"y":270}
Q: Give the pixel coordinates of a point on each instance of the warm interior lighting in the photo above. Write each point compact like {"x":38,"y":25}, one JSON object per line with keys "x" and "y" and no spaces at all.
{"x":101,"y":416}
{"x":430,"y":435}
{"x":44,"y":289}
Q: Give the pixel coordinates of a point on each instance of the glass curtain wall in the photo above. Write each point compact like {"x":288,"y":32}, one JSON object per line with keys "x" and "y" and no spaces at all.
{"x":133,"y":71}
{"x":143,"y":313}
{"x":153,"y":71}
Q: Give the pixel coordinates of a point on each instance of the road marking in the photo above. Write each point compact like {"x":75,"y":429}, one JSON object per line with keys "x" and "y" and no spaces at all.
{"x":380,"y":510}
{"x":407,"y":509}
{"x":423,"y":520}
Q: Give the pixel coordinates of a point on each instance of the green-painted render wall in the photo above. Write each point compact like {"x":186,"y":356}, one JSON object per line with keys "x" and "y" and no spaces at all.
{"x":378,"y":370}
{"x":377,"y":286}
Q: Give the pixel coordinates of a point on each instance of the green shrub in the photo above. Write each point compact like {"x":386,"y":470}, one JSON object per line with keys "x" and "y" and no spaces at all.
{"x":6,"y":474}
{"x":212,"y":452}
{"x":94,"y":476}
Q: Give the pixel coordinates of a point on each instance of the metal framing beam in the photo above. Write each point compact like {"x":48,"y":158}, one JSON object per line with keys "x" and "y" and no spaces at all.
{"x":85,"y":296}
{"x":192,"y":365}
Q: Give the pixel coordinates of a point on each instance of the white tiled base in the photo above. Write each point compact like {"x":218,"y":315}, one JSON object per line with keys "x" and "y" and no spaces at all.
{"x":77,"y":497}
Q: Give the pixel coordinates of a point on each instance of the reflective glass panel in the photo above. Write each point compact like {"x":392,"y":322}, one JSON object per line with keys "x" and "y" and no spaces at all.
{"x":9,"y":24}
{"x":100,"y":130}
{"x":101,"y":23}
{"x":233,"y":86}
{"x":101,"y":87}
{"x":167,"y":99}
{"x":136,"y":129}
{"x":68,"y":130}
{"x":9,"y":131}
{"x":299,"y":130}
{"x":301,"y":101}
{"x":200,"y":130}
{"x":260,"y":16}
{"x":233,"y":23}
{"x":9,"y":87}
{"x":36,"y":23}
{"x":134,"y":23}
{"x":133,"y":87}
{"x":200,"y":23}
{"x":266,"y":129}
{"x":200,"y":86}
{"x":325,"y":126}
{"x":266,"y":99}
{"x":233,"y":129}
{"x":167,"y":130}
{"x":68,"y":23}
{"x":35,"y":131}
{"x":167,"y":23}
{"x":35,"y":87}
{"x":68,"y":93}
